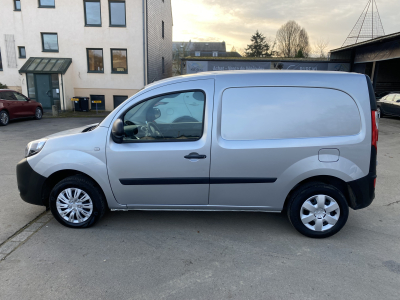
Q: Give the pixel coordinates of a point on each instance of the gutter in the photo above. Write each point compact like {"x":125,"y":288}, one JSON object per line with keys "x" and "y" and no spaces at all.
{"x":144,"y":41}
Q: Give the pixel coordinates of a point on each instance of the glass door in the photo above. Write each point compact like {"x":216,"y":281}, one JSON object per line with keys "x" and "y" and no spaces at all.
{"x":44,"y":93}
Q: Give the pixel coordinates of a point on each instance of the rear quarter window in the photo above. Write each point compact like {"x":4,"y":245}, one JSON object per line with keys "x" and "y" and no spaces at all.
{"x":260,"y":113}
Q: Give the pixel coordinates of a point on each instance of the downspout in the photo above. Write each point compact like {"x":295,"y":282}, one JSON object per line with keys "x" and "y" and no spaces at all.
{"x":63,"y":92}
{"x":144,"y":42}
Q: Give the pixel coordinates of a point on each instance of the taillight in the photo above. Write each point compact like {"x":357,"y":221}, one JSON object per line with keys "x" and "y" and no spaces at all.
{"x":375,"y":126}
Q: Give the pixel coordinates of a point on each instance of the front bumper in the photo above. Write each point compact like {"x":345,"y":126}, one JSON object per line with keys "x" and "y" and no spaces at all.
{"x":30,"y":183}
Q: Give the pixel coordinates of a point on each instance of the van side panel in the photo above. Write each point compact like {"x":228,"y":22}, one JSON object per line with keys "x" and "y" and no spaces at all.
{"x":285,"y":146}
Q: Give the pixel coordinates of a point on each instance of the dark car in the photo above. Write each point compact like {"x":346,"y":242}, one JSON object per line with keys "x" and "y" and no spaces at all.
{"x":14,"y":105}
{"x":389,"y":105}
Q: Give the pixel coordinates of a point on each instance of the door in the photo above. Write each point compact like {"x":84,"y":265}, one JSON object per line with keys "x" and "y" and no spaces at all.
{"x":11,"y":104}
{"x":386,"y":104}
{"x":164,"y":159}
{"x":396,"y":105}
{"x":25,"y":107}
{"x":44,"y":90}
{"x":118,"y":100}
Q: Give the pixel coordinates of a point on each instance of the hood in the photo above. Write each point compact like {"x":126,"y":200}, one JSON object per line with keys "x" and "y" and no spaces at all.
{"x":71,"y":131}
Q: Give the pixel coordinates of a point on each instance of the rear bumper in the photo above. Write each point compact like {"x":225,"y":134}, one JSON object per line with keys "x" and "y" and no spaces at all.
{"x":30,"y":183}
{"x":362,"y":191}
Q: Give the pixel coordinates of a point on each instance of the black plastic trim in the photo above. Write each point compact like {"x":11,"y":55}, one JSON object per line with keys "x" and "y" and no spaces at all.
{"x":30,"y":183}
{"x":193,"y":180}
{"x":372,"y":98}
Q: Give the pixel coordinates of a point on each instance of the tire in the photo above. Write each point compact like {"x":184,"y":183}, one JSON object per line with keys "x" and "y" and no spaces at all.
{"x":90,"y":211}
{"x":380,"y":113}
{"x":326,"y":220}
{"x":38,"y":113}
{"x":4,"y":118}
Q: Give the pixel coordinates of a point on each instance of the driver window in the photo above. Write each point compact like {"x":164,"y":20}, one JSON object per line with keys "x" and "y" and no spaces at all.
{"x":171,"y":117}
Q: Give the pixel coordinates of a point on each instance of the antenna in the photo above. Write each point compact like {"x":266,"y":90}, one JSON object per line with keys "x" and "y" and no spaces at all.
{"x":369,"y":25}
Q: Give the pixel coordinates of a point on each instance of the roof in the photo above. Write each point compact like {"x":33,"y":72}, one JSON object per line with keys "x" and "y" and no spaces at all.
{"x":46,"y":65}
{"x":201,"y":46}
{"x":373,"y":41}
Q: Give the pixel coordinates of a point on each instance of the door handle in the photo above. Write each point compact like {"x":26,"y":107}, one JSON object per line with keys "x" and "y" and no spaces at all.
{"x":195,"y":155}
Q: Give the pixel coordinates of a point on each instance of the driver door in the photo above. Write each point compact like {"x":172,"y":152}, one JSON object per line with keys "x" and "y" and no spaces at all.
{"x":164,"y":159}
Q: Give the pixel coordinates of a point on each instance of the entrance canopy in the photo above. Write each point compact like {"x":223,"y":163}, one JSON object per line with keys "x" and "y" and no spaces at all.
{"x":46,"y":65}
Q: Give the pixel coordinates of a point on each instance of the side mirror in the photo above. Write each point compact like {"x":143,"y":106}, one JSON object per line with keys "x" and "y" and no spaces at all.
{"x":117,"y":131}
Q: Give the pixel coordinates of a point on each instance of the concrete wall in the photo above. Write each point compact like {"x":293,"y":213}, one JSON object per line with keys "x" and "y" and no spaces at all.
{"x":67,"y":19}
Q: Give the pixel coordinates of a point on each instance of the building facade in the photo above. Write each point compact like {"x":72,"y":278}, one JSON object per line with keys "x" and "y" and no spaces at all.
{"x":378,"y":58}
{"x":54,"y":50}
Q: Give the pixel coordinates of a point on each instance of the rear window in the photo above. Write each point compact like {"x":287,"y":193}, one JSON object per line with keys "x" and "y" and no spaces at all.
{"x":260,"y":113}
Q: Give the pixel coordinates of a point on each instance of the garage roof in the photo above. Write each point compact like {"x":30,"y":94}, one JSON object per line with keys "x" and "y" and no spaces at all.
{"x":46,"y":65}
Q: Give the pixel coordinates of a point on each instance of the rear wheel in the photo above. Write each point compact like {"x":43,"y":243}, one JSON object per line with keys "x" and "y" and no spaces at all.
{"x":318,"y":210}
{"x":38,"y":113}
{"x":4,"y":118}
{"x":77,"y":202}
{"x":380,"y":113}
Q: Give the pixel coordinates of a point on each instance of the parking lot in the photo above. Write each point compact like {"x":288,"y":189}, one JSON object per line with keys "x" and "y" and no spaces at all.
{"x":197,"y":255}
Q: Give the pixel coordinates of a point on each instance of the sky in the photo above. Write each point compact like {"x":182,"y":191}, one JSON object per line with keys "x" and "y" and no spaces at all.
{"x":234,"y":21}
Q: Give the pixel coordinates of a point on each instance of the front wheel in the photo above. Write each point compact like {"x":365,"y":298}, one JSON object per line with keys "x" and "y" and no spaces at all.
{"x":77,"y":202}
{"x":318,"y":210}
{"x":38,"y":113}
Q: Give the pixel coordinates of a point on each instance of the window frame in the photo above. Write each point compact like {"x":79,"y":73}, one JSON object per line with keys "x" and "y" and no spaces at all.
{"x":87,"y":59}
{"x":109,"y":11}
{"x":46,"y":6}
{"x":52,"y":33}
{"x":216,"y":53}
{"x":122,"y":116}
{"x":195,"y":53}
{"x":84,"y":12}
{"x":19,"y":52}
{"x":112,"y":63}
{"x":15,"y":5}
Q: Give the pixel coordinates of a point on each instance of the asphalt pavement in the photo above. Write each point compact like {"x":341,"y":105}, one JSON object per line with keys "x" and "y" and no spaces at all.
{"x":208,"y":255}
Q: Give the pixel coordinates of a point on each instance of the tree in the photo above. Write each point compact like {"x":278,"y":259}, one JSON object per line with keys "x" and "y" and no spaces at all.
{"x":259,"y":46}
{"x":292,"y":40}
{"x":233,"y":49}
{"x":320,"y":47}
{"x":3,"y":86}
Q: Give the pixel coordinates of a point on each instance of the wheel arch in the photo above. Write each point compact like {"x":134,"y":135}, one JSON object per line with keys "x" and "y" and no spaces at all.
{"x":342,"y":185}
{"x":56,"y":177}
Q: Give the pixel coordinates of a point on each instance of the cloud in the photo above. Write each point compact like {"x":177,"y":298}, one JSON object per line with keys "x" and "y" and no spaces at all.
{"x":235,"y":20}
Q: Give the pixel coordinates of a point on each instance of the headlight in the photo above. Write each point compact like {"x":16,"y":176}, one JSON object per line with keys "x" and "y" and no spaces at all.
{"x":34,"y":147}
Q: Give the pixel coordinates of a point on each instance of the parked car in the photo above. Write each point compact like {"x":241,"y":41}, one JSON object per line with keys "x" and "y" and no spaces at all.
{"x":300,"y":142}
{"x":14,"y":105}
{"x":389,"y":105}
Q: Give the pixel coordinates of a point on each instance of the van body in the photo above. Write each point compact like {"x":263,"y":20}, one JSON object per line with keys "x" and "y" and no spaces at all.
{"x":236,"y":141}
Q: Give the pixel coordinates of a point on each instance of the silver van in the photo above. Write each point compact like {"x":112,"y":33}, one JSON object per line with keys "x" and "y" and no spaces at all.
{"x":300,"y":142}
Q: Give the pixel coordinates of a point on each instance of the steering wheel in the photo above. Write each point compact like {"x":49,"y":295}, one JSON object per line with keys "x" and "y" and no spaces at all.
{"x":153,"y":128}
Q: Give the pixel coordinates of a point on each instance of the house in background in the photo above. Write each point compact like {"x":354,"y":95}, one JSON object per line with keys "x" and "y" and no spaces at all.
{"x":54,"y":50}
{"x":198,"y":49}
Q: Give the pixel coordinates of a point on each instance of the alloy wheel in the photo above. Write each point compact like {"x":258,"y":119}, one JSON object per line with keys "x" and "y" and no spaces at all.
{"x":4,"y":118}
{"x":320,"y":213}
{"x":74,"y":205}
{"x":38,"y":113}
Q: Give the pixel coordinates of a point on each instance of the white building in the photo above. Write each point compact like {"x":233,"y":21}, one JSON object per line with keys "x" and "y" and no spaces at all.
{"x":54,"y":50}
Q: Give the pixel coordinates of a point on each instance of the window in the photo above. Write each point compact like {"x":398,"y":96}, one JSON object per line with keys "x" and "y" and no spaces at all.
{"x":256,"y":113}
{"x":92,"y":12}
{"x":197,"y":53}
{"x":1,"y":63}
{"x":162,"y":29}
{"x":117,"y":13}
{"x":47,"y":3}
{"x":19,"y":97}
{"x":163,"y":65}
{"x":396,"y":97}
{"x":215,"y":53}
{"x":172,"y":117}
{"x":30,"y":80}
{"x":17,"y":5}
{"x":119,"y":61}
{"x":21,"y":52}
{"x":50,"y":42}
{"x":95,"y":60}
